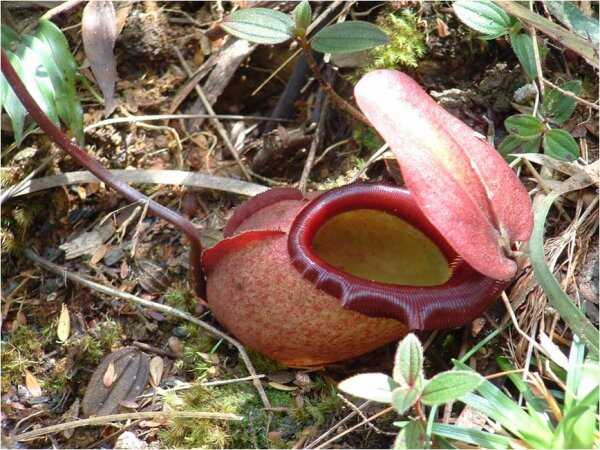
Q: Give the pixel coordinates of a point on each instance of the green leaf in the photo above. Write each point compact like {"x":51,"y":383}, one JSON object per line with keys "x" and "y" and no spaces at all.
{"x":408,"y":363}
{"x":302,"y":15}
{"x":522,"y":45}
{"x":472,"y":436}
{"x":411,"y":436}
{"x":501,"y":408}
{"x":536,"y":406}
{"x":449,"y":386}
{"x":558,"y":107}
{"x":570,"y":15}
{"x":348,"y":37}
{"x":67,"y":102}
{"x":483,"y":16}
{"x":37,"y":80}
{"x":8,"y":36}
{"x":12,"y":105}
{"x":524,"y":126}
{"x":572,"y":315}
{"x":578,"y":427}
{"x":512,"y":145}
{"x":371,"y":386}
{"x":560,"y":145}
{"x":404,"y":397}
{"x":260,"y":25}
{"x":59,"y":46}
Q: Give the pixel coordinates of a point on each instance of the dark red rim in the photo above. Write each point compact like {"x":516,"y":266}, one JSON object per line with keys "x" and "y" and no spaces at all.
{"x":462,"y":298}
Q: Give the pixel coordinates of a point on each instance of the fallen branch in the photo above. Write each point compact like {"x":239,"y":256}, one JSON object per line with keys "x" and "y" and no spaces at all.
{"x":169,"y":177}
{"x":101,"y":420}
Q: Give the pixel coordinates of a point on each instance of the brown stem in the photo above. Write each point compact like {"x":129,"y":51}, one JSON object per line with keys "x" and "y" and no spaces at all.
{"x":103,"y":174}
{"x":333,"y":96}
{"x":420,"y":411}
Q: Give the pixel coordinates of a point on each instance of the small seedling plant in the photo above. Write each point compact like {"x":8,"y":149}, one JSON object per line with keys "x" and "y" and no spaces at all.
{"x":44,"y":62}
{"x":268,"y":26}
{"x":550,"y":419}
{"x":541,"y":128}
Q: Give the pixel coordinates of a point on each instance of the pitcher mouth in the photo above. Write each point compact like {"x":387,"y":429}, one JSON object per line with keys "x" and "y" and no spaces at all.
{"x":434,"y":288}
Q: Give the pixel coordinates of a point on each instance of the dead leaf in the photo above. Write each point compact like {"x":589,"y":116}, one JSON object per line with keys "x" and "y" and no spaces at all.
{"x":99,"y":254}
{"x":88,"y":242}
{"x":71,"y":414}
{"x":129,"y":404}
{"x":175,"y":345}
{"x":64,"y":324}
{"x":157,"y":366}
{"x":124,"y":270}
{"x":99,"y":32}
{"x":281,"y":387}
{"x":21,"y":318}
{"x":109,"y":376}
{"x":32,"y":384}
{"x":130,"y":367}
{"x":442,"y":28}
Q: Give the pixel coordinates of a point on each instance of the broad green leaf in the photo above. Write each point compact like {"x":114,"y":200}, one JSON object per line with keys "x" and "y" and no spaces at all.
{"x":65,"y":95}
{"x":510,"y":145}
{"x":302,"y":15}
{"x":411,"y":436}
{"x":560,"y":145}
{"x":3,"y":90}
{"x":8,"y":37}
{"x":513,"y":145}
{"x":522,"y":45}
{"x":483,"y":16}
{"x":408,"y":363}
{"x":260,"y":25}
{"x":570,"y":15}
{"x":558,"y":107}
{"x":404,"y":397}
{"x":12,"y":104}
{"x":572,"y":315}
{"x":37,"y":80}
{"x":348,"y":37}
{"x":449,"y":386}
{"x":524,"y":126}
{"x":59,"y":46}
{"x":371,"y":386}
{"x":472,"y":436}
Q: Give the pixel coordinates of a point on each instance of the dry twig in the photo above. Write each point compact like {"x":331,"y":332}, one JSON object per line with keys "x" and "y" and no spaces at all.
{"x":157,"y":307}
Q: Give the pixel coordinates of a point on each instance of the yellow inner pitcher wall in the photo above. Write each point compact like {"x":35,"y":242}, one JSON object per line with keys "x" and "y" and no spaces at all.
{"x":378,"y":246}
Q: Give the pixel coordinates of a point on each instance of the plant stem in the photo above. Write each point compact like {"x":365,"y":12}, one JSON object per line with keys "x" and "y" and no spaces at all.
{"x":333,"y":96}
{"x":93,"y":165}
{"x":420,"y":411}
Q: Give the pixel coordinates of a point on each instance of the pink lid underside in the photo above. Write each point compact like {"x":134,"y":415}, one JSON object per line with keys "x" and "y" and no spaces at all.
{"x":443,"y":164}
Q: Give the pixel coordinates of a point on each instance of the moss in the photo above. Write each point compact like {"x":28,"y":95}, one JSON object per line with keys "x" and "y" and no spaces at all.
{"x":22,"y":349}
{"x":263,"y":364}
{"x":196,"y":343}
{"x":180,"y":298}
{"x":320,"y":405}
{"x":367,"y":137}
{"x":406,"y":45}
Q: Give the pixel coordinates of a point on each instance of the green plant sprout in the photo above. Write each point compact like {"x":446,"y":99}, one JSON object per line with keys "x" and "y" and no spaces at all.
{"x":267,"y":26}
{"x":528,"y":132}
{"x":550,"y":420}
{"x":44,"y":62}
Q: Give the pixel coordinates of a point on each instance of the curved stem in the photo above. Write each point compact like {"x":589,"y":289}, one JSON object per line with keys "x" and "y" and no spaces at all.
{"x":329,"y":91}
{"x":103,"y":174}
